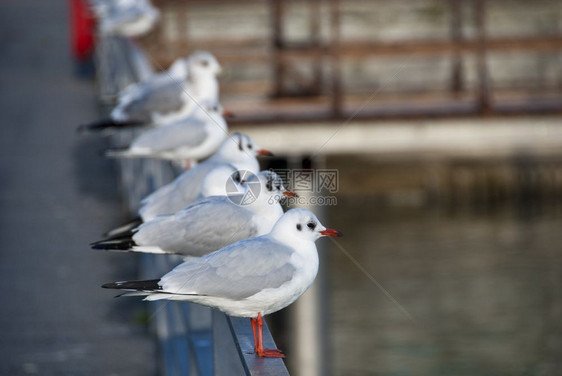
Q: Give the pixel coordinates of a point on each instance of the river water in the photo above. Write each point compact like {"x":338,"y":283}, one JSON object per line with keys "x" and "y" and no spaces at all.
{"x":476,"y":291}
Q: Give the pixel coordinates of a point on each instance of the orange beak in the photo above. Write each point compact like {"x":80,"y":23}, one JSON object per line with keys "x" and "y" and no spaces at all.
{"x":265,"y":152}
{"x":290,"y":194}
{"x":331,"y":232}
{"x":228,"y":114}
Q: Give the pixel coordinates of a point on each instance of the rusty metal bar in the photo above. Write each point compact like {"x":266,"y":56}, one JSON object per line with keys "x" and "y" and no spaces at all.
{"x":315,"y":38}
{"x":482,"y":71}
{"x":457,"y":82}
{"x":277,"y":10}
{"x":335,"y":49}
{"x":356,"y":49}
{"x":424,"y":47}
{"x":278,"y":54}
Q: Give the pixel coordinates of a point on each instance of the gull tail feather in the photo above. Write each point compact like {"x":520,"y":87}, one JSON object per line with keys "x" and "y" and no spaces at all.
{"x":148,"y":285}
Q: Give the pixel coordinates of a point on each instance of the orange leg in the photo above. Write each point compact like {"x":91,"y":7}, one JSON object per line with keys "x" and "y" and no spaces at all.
{"x":265,"y":353}
{"x":254,"y":323}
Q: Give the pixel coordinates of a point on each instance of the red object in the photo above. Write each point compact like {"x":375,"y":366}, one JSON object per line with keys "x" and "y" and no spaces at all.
{"x":82,"y":29}
{"x":258,"y":340}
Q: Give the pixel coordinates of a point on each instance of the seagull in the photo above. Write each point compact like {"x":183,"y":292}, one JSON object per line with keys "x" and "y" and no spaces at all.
{"x":165,"y":96}
{"x":192,"y":138}
{"x":237,"y":150}
{"x":224,"y":179}
{"x":250,"y":278}
{"x":127,"y":18}
{"x":214,"y":183}
{"x":208,"y":224}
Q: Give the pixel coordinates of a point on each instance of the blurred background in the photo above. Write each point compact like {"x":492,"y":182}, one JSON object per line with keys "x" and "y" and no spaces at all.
{"x":442,"y":119}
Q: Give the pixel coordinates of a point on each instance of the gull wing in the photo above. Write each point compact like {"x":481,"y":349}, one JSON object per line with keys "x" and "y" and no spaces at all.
{"x":199,"y":229}
{"x":235,"y":272}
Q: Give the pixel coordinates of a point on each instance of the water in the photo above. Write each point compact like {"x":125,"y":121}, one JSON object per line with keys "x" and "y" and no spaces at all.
{"x":484,"y":290}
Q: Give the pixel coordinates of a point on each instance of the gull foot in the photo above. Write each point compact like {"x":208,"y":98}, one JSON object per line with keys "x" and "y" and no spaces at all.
{"x":271,"y":353}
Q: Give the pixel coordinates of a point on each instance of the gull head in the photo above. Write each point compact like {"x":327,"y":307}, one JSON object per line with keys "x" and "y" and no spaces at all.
{"x":178,"y":69}
{"x":209,"y":107}
{"x":241,"y":150}
{"x":272,"y":189}
{"x":221,"y":180}
{"x":203,"y":63}
{"x":301,"y":224}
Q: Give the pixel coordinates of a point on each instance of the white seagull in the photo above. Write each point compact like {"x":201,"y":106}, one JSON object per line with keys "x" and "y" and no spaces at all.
{"x":126,"y":18}
{"x":189,"y":139}
{"x":208,"y":224}
{"x":250,"y":278}
{"x":165,"y":96}
{"x":238,"y":151}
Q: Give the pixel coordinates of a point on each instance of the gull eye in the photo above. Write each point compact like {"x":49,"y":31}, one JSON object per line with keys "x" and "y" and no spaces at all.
{"x":299,"y":227}
{"x":204,"y":63}
{"x":278,"y":187}
{"x":311,"y":225}
{"x":250,"y":146}
{"x":237,"y":177}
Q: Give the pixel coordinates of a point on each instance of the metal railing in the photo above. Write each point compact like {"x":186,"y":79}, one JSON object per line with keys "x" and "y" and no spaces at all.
{"x":303,"y":63}
{"x":192,"y":340}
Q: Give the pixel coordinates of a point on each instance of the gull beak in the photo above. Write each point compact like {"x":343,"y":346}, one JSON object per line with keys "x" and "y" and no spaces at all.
{"x":290,"y":194}
{"x":228,"y":114}
{"x":265,"y":152}
{"x":331,"y":232}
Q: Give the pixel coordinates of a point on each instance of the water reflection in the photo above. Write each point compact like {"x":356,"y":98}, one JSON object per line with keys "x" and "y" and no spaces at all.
{"x":484,"y":289}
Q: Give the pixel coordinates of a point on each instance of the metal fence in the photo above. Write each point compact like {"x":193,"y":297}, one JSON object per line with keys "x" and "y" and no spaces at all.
{"x":321,"y":60}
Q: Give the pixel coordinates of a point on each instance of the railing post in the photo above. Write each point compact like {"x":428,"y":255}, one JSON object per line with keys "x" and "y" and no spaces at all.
{"x":483,"y":79}
{"x":278,"y":62}
{"x":315,"y":39}
{"x":337,"y":100}
{"x":457,"y":81}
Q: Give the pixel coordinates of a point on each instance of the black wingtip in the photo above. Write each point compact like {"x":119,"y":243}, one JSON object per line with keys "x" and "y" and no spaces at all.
{"x":144,"y":285}
{"x":108,"y":124}
{"x":112,"y":285}
{"x":117,"y":245}
{"x":123,"y":236}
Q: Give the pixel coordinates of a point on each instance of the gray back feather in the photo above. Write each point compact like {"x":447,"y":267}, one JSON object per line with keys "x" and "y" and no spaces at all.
{"x":190,"y":132}
{"x":161,"y":96}
{"x":200,"y":228}
{"x":174,"y":196}
{"x":234,"y":272}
